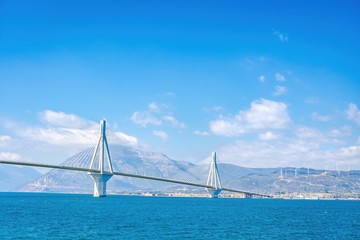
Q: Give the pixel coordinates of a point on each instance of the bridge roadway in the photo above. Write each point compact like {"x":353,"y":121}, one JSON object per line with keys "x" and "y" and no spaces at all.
{"x":128,"y":175}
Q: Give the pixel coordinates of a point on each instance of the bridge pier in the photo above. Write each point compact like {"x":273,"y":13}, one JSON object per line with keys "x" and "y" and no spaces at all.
{"x":100,"y":180}
{"x":213,"y":193}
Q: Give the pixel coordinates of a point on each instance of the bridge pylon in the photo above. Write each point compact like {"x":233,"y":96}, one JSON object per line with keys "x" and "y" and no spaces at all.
{"x":102,"y":151}
{"x":214,"y":179}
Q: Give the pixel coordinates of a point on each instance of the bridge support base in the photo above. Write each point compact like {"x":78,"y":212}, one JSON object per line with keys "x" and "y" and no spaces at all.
{"x":100,"y":180}
{"x":214,"y":193}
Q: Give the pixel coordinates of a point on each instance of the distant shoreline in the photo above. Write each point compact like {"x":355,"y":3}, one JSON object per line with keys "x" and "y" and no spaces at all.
{"x":190,"y":195}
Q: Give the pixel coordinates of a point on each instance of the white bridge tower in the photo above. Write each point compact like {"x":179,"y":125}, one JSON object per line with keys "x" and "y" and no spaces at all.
{"x":102,"y":151}
{"x":214,"y":178}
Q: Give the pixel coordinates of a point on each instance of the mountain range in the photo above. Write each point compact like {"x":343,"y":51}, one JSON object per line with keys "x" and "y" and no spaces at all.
{"x":273,"y":181}
{"x":14,"y":177}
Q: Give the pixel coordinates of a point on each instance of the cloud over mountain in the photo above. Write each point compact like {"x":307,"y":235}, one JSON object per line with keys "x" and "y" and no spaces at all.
{"x":263,"y":114}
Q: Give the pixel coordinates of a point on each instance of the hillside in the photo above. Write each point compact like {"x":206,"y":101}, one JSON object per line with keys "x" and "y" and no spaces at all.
{"x":261,"y":180}
{"x":14,"y":177}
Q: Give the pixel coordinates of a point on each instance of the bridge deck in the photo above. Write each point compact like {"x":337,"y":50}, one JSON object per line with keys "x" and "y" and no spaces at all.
{"x":127,"y":175}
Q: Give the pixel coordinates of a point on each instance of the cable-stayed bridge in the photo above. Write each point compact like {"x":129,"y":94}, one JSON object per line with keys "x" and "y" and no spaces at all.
{"x":101,"y":170}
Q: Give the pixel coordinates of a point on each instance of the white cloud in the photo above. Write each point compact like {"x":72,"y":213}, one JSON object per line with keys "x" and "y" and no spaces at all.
{"x":262,"y":78}
{"x":82,"y":132}
{"x":161,"y":134}
{"x":144,"y":119}
{"x":156,"y":115}
{"x":123,"y":138}
{"x":201,"y":133}
{"x":266,"y":114}
{"x":342,"y":132}
{"x":150,"y":116}
{"x":53,"y":143}
{"x":254,"y":154}
{"x":174,"y":122}
{"x":60,"y":136}
{"x":8,"y":156}
{"x":279,"y":90}
{"x":289,"y":153}
{"x":335,"y":133}
{"x":154,"y":107}
{"x":320,"y":118}
{"x":353,"y":113}
{"x":350,"y":152}
{"x":4,"y":138}
{"x":306,"y":132}
{"x":227,"y":127}
{"x":62,"y":119}
{"x":282,"y":36}
{"x":267,"y":136}
{"x":263,"y":114}
{"x":157,"y":107}
{"x":279,"y":77}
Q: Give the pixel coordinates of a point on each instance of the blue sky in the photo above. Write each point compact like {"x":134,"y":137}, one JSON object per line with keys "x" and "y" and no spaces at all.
{"x":263,"y":84}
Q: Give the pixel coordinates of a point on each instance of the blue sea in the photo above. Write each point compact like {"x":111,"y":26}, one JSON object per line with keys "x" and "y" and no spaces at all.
{"x":71,"y":216}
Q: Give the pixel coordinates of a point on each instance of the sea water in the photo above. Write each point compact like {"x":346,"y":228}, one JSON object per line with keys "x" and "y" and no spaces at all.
{"x":71,"y":216}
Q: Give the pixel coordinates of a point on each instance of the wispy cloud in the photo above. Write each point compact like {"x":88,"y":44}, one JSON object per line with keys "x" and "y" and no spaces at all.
{"x":60,"y":131}
{"x":268,"y":136}
{"x":306,"y":132}
{"x":262,"y":78}
{"x":279,"y":90}
{"x":263,"y":114}
{"x":320,"y":118}
{"x":351,"y":151}
{"x":174,"y":122}
{"x":144,"y":119}
{"x":201,"y":133}
{"x":60,"y":136}
{"x":4,"y":138}
{"x":227,"y":127}
{"x":9,"y":156}
{"x":156,"y":114}
{"x":340,"y":132}
{"x":62,"y":119}
{"x":283,"y":37}
{"x":157,"y":107}
{"x":151,"y":116}
{"x":161,"y":134}
{"x":279,"y":77}
{"x":154,"y":107}
{"x":353,"y":113}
